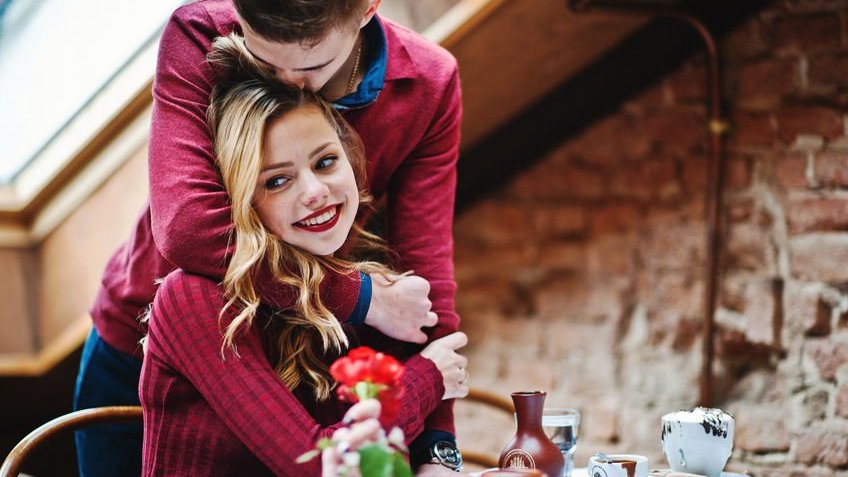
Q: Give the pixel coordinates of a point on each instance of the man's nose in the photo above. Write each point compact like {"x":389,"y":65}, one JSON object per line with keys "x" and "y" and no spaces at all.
{"x":292,"y":78}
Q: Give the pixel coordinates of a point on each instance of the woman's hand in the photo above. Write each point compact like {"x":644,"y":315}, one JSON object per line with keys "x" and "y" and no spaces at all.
{"x":400,"y":307}
{"x":364,"y":428}
{"x":452,"y":365}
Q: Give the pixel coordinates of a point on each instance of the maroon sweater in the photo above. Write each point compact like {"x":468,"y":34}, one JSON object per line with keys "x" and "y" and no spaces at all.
{"x":205,"y":416}
{"x":411,"y":135}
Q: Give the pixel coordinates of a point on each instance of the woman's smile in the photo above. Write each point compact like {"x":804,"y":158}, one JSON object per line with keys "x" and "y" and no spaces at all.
{"x":322,"y":220}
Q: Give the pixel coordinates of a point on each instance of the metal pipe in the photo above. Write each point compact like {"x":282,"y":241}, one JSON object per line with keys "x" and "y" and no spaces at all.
{"x":717,"y":128}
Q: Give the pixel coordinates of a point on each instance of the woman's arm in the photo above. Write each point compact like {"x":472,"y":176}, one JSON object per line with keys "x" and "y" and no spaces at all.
{"x":245,"y":392}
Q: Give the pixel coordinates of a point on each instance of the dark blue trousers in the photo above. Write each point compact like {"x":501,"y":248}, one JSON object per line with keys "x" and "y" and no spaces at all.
{"x":107,"y":377}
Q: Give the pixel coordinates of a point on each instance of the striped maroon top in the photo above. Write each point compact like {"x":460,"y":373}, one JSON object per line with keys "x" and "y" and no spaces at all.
{"x":206,"y":415}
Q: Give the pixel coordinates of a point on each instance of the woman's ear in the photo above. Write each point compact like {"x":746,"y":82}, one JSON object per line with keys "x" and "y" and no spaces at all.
{"x":369,"y":12}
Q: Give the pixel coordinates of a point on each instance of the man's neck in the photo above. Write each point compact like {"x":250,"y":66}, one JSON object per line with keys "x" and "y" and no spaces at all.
{"x":346,"y":80}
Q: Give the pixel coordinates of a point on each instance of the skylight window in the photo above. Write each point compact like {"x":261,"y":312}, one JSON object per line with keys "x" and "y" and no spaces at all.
{"x":55,"y":56}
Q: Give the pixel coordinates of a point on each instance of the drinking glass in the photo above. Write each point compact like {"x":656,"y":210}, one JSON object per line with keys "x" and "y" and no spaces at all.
{"x":561,"y":425}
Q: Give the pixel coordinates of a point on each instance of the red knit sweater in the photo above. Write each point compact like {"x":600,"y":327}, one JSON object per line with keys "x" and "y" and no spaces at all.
{"x":205,"y":416}
{"x":411,"y":136}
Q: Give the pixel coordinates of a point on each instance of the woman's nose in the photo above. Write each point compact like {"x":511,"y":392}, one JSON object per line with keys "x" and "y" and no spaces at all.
{"x":314,"y":191}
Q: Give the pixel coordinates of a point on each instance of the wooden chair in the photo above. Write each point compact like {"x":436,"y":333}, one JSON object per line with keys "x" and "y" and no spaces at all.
{"x":486,"y":398}
{"x":132,"y":414}
{"x":114,"y":414}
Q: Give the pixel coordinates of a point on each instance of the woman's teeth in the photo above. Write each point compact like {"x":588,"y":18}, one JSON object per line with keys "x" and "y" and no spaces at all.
{"x":320,"y":219}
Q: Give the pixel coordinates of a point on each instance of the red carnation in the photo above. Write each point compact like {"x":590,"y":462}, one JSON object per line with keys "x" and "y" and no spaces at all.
{"x":364,"y":374}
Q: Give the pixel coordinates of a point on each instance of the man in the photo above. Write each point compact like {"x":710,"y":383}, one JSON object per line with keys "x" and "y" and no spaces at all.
{"x":402,"y":95}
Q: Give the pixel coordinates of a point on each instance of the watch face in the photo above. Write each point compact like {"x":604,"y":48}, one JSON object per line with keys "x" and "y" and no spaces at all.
{"x":448,"y":454}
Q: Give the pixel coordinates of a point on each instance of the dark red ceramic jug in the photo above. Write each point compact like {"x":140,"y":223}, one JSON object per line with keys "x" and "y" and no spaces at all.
{"x":531,"y":448}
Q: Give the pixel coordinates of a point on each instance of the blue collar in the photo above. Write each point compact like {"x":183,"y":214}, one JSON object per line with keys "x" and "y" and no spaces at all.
{"x":371,"y":85}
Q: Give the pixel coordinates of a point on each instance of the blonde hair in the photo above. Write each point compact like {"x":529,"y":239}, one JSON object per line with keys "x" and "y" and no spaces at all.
{"x":247,"y":99}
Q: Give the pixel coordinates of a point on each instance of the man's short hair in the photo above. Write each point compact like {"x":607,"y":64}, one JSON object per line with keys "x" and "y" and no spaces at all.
{"x":298,"y":21}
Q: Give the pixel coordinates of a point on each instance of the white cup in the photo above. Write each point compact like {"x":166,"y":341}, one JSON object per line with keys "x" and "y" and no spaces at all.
{"x":621,"y":466}
{"x":698,"y":441}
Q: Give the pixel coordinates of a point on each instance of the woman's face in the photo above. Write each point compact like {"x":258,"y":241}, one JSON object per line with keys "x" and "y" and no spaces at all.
{"x":306,"y":193}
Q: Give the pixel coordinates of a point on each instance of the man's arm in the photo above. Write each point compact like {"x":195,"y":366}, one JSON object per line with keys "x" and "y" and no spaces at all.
{"x":423,"y":191}
{"x":190,"y":209}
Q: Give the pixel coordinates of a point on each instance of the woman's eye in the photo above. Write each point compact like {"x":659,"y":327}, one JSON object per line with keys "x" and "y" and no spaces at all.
{"x":326,"y":162}
{"x":276,"y":182}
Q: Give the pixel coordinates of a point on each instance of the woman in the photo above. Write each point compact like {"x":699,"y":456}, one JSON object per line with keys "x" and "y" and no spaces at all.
{"x":216,"y":357}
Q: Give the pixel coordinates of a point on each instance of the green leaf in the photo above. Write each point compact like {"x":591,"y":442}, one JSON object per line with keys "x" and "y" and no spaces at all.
{"x":375,"y":461}
{"x":308,"y":456}
{"x":365,"y":390}
{"x":399,"y":466}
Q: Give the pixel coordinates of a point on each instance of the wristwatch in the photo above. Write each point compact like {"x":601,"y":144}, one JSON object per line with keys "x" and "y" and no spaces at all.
{"x":445,"y":453}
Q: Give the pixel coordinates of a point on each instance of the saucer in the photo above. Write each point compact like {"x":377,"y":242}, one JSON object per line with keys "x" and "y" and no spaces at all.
{"x":581,"y":472}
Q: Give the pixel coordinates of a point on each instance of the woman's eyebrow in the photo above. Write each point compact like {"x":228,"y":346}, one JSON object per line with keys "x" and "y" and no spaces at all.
{"x":277,"y":165}
{"x":320,"y":148}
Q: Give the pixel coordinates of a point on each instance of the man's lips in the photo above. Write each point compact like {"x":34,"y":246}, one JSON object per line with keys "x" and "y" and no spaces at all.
{"x":326,"y":225}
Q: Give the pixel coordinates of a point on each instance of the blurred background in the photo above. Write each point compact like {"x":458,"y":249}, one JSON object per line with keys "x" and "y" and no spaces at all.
{"x":584,"y":247}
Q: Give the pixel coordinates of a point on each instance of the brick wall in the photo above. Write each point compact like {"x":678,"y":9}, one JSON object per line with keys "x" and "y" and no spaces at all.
{"x":585,"y":276}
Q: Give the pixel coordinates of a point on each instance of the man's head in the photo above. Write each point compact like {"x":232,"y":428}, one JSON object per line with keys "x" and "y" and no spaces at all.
{"x":306,"y":42}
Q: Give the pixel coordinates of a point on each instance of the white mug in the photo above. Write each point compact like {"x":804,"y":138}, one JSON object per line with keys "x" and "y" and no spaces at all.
{"x":618,"y":467}
{"x":698,"y":441}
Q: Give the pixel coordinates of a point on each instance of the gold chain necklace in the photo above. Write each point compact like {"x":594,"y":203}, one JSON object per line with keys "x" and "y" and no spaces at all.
{"x":355,"y":71}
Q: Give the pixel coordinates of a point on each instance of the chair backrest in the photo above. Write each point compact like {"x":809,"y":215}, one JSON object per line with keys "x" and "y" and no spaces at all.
{"x":486,"y":398}
{"x":113,"y":414}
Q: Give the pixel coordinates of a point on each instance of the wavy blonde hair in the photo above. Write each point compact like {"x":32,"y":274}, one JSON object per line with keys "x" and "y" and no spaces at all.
{"x":245,"y":101}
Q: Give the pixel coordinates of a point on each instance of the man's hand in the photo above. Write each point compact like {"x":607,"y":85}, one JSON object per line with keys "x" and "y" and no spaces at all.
{"x":400,"y":307}
{"x":436,"y":470}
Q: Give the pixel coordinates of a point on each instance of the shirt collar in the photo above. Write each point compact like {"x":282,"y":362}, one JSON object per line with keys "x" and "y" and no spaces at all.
{"x":390,"y":61}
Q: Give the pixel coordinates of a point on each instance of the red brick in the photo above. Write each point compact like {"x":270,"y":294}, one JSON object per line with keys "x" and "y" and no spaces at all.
{"x":694,"y":175}
{"x":842,"y":401}
{"x":495,"y":223}
{"x":677,"y":130}
{"x":738,"y":172}
{"x":791,"y":170}
{"x":687,"y":333}
{"x":673,"y":245}
{"x":824,"y":443}
{"x":811,"y":215}
{"x":613,"y":219}
{"x":763,"y":85}
{"x":688,"y":84}
{"x":820,"y":257}
{"x":807,"y":6}
{"x":828,"y":72}
{"x":610,"y":142}
{"x":749,"y":247}
{"x":552,"y":222}
{"x":555,"y":178}
{"x":752,"y":129}
{"x":762,"y":311}
{"x":827,"y":355}
{"x":832,"y":169}
{"x":808,"y":33}
{"x":647,"y":181}
{"x":502,"y":262}
{"x":820,"y":120}
{"x":740,"y":209}
{"x":806,"y":308}
{"x":750,"y":40}
{"x":612,"y":255}
{"x":761,"y":429}
{"x":561,"y":256}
